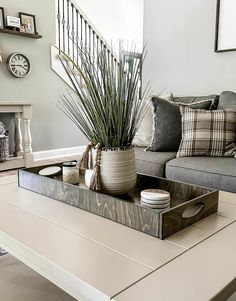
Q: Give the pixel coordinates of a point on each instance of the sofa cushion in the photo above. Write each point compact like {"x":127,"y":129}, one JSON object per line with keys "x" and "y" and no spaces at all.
{"x":212,"y":172}
{"x":227,"y":100}
{"x":152,"y":163}
{"x":144,"y":134}
{"x":167,"y":123}
{"x":207,"y":133}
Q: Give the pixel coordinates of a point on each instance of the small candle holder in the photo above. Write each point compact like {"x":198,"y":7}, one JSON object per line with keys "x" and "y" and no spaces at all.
{"x":70,"y":172}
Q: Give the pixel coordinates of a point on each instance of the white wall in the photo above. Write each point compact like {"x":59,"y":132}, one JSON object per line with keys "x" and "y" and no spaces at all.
{"x":116,"y":19}
{"x":50,"y":127}
{"x":180,"y":41}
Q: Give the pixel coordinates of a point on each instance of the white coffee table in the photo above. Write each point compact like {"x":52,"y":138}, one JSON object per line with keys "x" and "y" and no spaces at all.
{"x":93,"y":258}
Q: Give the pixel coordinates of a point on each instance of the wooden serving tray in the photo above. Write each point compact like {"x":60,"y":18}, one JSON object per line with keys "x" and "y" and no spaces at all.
{"x":189,"y":203}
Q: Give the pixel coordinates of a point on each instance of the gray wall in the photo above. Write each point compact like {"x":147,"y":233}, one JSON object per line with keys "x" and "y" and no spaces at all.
{"x":179,"y":35}
{"x":50,"y":128}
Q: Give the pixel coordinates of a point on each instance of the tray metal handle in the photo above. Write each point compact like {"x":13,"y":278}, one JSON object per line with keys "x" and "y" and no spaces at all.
{"x":193,"y":210}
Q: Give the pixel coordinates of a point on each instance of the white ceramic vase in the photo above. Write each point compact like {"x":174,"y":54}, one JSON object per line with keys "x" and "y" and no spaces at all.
{"x":117,"y":170}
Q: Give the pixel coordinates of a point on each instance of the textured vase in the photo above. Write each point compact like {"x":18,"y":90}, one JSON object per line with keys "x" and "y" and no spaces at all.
{"x":117,"y":171}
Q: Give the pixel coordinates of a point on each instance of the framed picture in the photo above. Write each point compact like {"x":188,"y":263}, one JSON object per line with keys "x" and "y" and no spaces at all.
{"x":2,"y":18}
{"x":225,"y":36}
{"x":28,"y":23}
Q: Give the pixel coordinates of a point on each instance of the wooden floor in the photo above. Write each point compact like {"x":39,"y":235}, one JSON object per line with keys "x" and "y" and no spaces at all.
{"x":17,"y":281}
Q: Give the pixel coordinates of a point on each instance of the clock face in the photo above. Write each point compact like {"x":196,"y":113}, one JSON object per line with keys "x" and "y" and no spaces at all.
{"x":18,"y":65}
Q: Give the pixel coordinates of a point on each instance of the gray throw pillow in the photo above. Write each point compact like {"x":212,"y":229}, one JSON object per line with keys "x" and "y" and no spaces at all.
{"x":192,"y":99}
{"x":227,"y":100}
{"x":167,"y":132}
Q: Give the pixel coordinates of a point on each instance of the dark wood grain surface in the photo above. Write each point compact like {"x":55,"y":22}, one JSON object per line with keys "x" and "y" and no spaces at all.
{"x":22,"y":34}
{"x":172,"y":220}
{"x":127,"y":209}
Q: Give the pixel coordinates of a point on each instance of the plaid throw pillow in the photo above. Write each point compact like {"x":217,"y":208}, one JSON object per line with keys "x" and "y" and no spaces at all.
{"x":207,"y":133}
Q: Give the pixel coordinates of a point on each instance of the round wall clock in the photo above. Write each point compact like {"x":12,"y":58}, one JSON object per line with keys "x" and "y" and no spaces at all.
{"x":18,"y":65}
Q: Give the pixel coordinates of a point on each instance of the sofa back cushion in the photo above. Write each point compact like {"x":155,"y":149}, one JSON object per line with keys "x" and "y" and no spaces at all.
{"x":227,"y":100}
{"x":207,"y":133}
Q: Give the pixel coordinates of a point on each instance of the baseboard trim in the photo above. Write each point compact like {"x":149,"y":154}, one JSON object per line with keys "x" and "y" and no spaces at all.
{"x":56,"y":153}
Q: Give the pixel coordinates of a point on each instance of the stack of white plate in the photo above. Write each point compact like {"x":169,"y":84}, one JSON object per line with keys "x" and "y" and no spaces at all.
{"x":155,"y":198}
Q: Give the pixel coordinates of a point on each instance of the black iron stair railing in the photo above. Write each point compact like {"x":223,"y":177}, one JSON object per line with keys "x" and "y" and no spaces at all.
{"x":75,"y":31}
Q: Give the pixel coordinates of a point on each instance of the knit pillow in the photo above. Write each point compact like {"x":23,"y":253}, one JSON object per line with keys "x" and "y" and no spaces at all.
{"x":207,"y":133}
{"x":144,"y":134}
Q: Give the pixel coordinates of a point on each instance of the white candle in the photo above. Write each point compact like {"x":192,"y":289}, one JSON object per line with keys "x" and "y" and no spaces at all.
{"x":88,"y":176}
{"x":70,"y":172}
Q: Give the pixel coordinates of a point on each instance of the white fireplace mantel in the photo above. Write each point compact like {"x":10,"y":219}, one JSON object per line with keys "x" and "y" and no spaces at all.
{"x":23,"y":142}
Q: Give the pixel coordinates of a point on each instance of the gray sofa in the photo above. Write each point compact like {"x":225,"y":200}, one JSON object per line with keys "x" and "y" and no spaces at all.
{"x":212,"y":172}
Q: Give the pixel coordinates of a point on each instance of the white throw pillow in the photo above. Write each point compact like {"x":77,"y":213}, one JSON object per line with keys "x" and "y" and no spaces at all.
{"x":144,"y":134}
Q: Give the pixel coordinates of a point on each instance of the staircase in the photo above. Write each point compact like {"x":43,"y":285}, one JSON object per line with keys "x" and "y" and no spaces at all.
{"x":75,"y":31}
